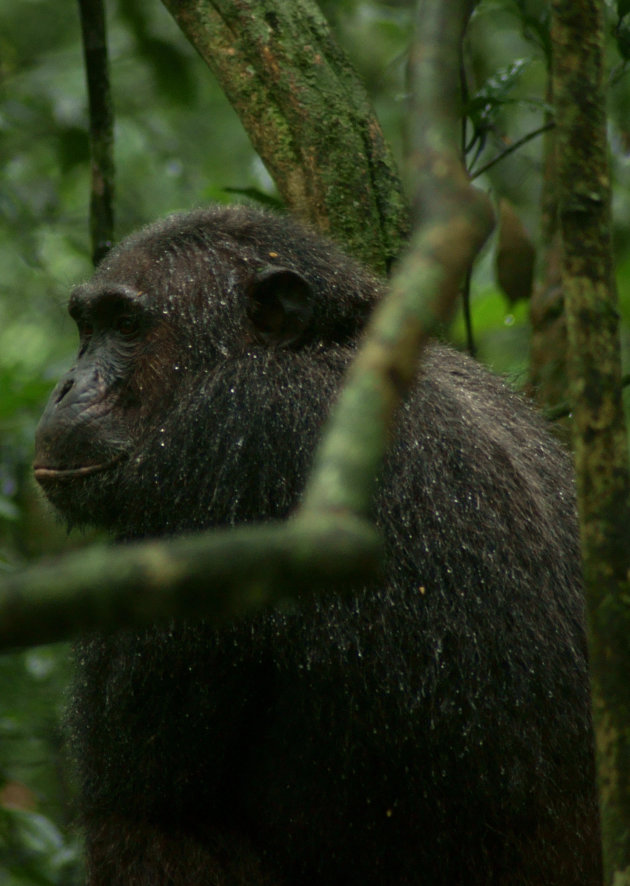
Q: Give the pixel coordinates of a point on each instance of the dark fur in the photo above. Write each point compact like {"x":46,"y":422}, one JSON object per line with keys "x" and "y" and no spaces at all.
{"x":434,"y":730}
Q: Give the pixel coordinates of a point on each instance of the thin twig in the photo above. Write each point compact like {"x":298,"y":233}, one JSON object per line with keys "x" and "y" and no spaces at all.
{"x":94,"y":37}
{"x":513,"y":147}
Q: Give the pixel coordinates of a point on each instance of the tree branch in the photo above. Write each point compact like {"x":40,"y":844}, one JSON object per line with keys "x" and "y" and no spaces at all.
{"x":94,"y":39}
{"x":219,"y":575}
{"x":453,"y":221}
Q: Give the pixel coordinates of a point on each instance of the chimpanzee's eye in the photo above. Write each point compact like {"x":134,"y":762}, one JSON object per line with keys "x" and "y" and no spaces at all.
{"x":127,"y":325}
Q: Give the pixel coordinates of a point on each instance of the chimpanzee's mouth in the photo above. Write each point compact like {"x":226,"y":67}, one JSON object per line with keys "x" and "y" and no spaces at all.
{"x":43,"y":473}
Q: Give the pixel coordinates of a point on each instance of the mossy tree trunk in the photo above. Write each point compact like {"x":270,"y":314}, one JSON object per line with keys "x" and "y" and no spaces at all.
{"x":308,"y":116}
{"x":594,"y":369}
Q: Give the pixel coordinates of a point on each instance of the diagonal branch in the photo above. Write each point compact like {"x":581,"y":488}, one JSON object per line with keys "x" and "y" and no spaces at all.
{"x":453,"y":221}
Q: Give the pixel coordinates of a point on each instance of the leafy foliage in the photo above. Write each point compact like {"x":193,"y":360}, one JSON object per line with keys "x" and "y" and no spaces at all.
{"x":35,"y":852}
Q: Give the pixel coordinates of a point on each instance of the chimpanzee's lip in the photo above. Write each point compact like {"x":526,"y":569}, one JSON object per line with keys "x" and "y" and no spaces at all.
{"x":43,"y":472}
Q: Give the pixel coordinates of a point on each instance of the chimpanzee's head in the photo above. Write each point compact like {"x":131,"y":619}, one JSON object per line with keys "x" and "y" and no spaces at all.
{"x":172,"y":316}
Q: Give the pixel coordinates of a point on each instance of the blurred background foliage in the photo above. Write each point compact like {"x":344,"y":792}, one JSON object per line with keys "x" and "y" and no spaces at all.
{"x":180,"y":145}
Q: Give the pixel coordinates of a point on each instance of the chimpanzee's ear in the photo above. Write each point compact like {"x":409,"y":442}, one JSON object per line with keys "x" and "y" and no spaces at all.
{"x":279,"y":306}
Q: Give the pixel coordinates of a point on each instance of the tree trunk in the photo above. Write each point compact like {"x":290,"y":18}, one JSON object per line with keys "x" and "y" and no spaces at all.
{"x":594,"y":369}
{"x":307,"y":115}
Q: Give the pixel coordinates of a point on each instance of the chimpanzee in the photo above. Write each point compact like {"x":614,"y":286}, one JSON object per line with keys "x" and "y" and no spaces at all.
{"x":430,"y":729}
